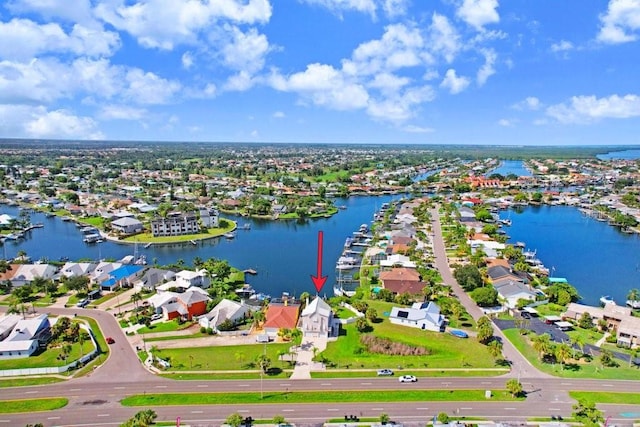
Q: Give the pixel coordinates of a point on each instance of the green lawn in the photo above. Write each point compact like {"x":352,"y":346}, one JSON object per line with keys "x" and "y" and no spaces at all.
{"x":273,"y":397}
{"x":278,"y":374}
{"x":583,"y":369}
{"x":148,"y":237}
{"x":432,"y":373}
{"x":170,"y":326}
{"x":48,"y":357}
{"x":607,"y":397}
{"x":32,"y":405}
{"x":216,"y":358}
{"x":23,"y":382}
{"x":446,"y":351}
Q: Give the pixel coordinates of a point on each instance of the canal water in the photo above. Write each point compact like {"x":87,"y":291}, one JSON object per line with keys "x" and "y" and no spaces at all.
{"x":508,"y":167}
{"x":631,"y":154}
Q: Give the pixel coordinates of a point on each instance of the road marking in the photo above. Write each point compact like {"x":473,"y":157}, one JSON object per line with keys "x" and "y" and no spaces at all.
{"x":31,"y":392}
{"x":607,"y":385}
{"x":103,"y":415}
{"x":243,"y":385}
{"x":467,"y":409}
{"x":365,"y":383}
{"x":197,"y":412}
{"x":445,"y":383}
{"x":332,"y":409}
{"x":243,"y":410}
{"x":203,"y":385}
{"x":287,"y":410}
{"x":328,"y":384}
{"x":377,"y":409}
{"x":119,"y":388}
{"x":75,"y":389}
{"x":554,"y":409}
{"x":509,"y":409}
{"x":422,"y":409}
{"x":285,"y":385}
{"x":5,"y":421}
{"x":53,"y":418}
{"x":565,"y":383}
{"x":485,"y":382}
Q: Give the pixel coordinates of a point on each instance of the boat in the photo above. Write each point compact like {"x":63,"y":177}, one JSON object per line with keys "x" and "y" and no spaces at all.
{"x":506,"y":222}
{"x":141,"y":260}
{"x":66,"y":218}
{"x":230,"y":235}
{"x":49,"y":214}
{"x":606,"y":299}
{"x":343,"y":207}
{"x":635,"y":304}
{"x":246,"y":291}
{"x":246,"y":226}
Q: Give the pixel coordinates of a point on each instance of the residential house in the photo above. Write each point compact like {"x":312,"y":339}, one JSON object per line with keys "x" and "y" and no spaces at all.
{"x":500,"y":272}
{"x":226,"y":309}
{"x":11,"y":271}
{"x":510,"y":292}
{"x":26,"y":273}
{"x":209,"y":217}
{"x":375,"y":254}
{"x":617,"y":318}
{"x":26,"y":337}
{"x":397,"y":260}
{"x":127,"y":225}
{"x":152,"y":277}
{"x":420,"y":315}
{"x":102,"y":271}
{"x":185,"y":306}
{"x":175,"y":224}
{"x":317,"y":320}
{"x":7,"y":323}
{"x":280,"y":316}
{"x":628,"y":332}
{"x":76,"y":269}
{"x":123,"y":276}
{"x":186,"y":279}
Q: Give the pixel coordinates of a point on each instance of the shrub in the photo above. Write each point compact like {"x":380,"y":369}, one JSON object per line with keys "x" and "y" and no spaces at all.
{"x":379,"y":345}
{"x":203,"y":330}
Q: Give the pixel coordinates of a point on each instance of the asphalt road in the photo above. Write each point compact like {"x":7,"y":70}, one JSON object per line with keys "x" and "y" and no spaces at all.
{"x":95,"y":399}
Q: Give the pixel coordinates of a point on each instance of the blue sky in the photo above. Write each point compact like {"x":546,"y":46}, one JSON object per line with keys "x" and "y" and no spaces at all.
{"x":516,"y":72}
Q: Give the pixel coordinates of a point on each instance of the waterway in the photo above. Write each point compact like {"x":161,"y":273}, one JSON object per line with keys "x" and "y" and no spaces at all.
{"x":621,"y":155}
{"x":507,"y":167}
{"x":596,"y":258}
{"x":284,"y":253}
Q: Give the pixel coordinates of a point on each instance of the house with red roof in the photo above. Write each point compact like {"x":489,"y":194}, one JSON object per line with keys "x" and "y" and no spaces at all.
{"x":281,"y":316}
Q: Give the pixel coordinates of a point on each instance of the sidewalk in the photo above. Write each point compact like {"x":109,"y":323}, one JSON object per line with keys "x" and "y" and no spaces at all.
{"x":304,"y":358}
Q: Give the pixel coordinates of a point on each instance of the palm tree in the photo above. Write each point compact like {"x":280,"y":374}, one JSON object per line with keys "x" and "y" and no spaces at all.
{"x":145,"y":418}
{"x":577,"y":341}
{"x":258,"y":318}
{"x":135,"y":298}
{"x":264,"y":362}
{"x":541,"y":344}
{"x":633,"y":295}
{"x":495,"y":348}
{"x":562,"y":353}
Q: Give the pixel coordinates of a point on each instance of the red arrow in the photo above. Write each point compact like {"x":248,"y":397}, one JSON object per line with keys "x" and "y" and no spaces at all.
{"x":319,"y":280}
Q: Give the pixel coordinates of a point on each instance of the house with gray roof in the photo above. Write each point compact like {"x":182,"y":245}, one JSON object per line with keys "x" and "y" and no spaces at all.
{"x":226,"y":309}
{"x":127,"y":225}
{"x":420,"y":315}
{"x":317,"y":319}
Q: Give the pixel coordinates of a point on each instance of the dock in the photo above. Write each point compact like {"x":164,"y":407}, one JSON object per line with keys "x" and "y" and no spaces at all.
{"x":251,"y":271}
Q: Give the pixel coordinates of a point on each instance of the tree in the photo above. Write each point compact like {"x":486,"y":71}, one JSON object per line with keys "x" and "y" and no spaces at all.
{"x":542,"y":344}
{"x":234,"y":420}
{"x":606,"y":358}
{"x":587,"y":413}
{"x":485,"y":296}
{"x":263,"y":362}
{"x":279,"y":420}
{"x":371,"y":314}
{"x":585,"y":321}
{"x":135,"y":298}
{"x":384,"y":418}
{"x":485,"y":330}
{"x":633,"y":295}
{"x":77,"y":283}
{"x":258,"y":318}
{"x":362,"y":325}
{"x":495,"y":348}
{"x":562,"y":353}
{"x":514,"y":387}
{"x":468,"y":276}
{"x":443,"y":418}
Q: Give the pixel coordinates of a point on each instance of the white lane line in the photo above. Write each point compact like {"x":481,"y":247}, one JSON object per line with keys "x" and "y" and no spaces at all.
{"x":377,"y":409}
{"x":243,"y":410}
{"x":285,"y":385}
{"x":365,"y":383}
{"x":288,"y":410}
{"x":554,"y":409}
{"x":53,"y":418}
{"x":103,"y":415}
{"x":75,"y":389}
{"x":606,"y":385}
{"x":31,"y":392}
{"x":566,"y":383}
{"x":422,"y":409}
{"x":243,"y":385}
{"x":119,"y":388}
{"x":161,"y":386}
{"x":485,"y":382}
{"x":467,"y":409}
{"x":203,"y":385}
{"x":509,"y":409}
{"x":5,"y":421}
{"x":325,"y":384}
{"x":332,"y":409}
{"x":197,"y":412}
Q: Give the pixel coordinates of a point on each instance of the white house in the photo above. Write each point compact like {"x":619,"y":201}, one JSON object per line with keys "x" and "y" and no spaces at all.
{"x":186,"y":279}
{"x":151,"y":278}
{"x":511,"y":291}
{"x":75,"y":269}
{"x":127,"y":225}
{"x":420,"y":315}
{"x":225,"y":310}
{"x":209,"y":217}
{"x":397,"y":260}
{"x":25,"y":337}
{"x":27,"y":272}
{"x":317,"y":319}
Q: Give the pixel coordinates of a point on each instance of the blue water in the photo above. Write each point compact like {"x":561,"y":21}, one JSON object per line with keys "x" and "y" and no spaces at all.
{"x":623,"y":155}
{"x":284,"y":253}
{"x":508,"y":167}
{"x":593,"y":256}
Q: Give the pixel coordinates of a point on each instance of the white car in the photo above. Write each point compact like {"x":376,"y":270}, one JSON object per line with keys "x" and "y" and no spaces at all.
{"x":156,"y":316}
{"x":407,"y":379}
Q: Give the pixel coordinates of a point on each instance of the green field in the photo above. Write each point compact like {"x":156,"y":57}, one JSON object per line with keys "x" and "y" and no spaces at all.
{"x":32,"y":405}
{"x":273,"y":397}
{"x":607,"y":397}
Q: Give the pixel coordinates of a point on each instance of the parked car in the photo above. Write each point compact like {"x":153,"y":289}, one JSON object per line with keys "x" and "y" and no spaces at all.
{"x":110,"y":340}
{"x":384,"y":372}
{"x":82,"y":303}
{"x":156,"y":316}
{"x":407,"y":379}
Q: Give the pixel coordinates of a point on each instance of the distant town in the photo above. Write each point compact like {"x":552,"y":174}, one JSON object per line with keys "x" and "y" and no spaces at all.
{"x":428,"y":290}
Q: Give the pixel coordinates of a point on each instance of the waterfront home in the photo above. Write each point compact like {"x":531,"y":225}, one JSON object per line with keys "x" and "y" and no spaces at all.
{"x":123,"y":276}
{"x":26,"y":337}
{"x":421,"y":315}
{"x":26,"y":273}
{"x":400,"y":273}
{"x":7,"y":323}
{"x":11,"y":271}
{"x":500,"y":272}
{"x":397,"y":260}
{"x":127,"y":225}
{"x":152,"y":277}
{"x":317,"y":320}
{"x":491,"y":248}
{"x":226,"y":309}
{"x":101,"y":272}
{"x":185,"y":306}
{"x":375,"y":254}
{"x":209,"y":217}
{"x":175,"y":224}
{"x":510,"y":292}
{"x":618,"y":319}
{"x":186,"y":279}
{"x":76,"y":269}
{"x":280,"y":316}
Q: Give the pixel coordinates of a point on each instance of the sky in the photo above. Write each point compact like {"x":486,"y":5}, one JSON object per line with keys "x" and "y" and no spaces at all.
{"x":510,"y":72}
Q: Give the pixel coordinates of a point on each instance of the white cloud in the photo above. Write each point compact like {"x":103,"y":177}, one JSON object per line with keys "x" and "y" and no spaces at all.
{"x":395,"y":8}
{"x":529,"y":103}
{"x":39,"y":81}
{"x":443,"y":38}
{"x":278,"y":115}
{"x":149,"y":88}
{"x":240,"y":82}
{"x":562,"y":46}
{"x":586,"y":109}
{"x":417,"y":129}
{"x":338,"y":6}
{"x":121,"y":112}
{"x":505,"y":122}
{"x":165,"y":23}
{"x":70,"y":11}
{"x":61,"y":124}
{"x":24,"y":39}
{"x":621,"y":22}
{"x":401,"y":107}
{"x":478,"y":13}
{"x":187,"y":60}
{"x":487,"y":69}
{"x":245,"y":51}
{"x":454,"y":83}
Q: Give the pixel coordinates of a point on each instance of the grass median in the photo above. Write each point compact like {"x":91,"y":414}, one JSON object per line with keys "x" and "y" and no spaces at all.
{"x":607,"y":397}
{"x":32,"y":405}
{"x":346,"y":396}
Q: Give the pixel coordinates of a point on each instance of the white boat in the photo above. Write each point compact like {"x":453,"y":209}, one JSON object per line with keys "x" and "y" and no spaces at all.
{"x":606,"y":299}
{"x":230,"y":235}
{"x":635,"y":304}
{"x":246,"y":291}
